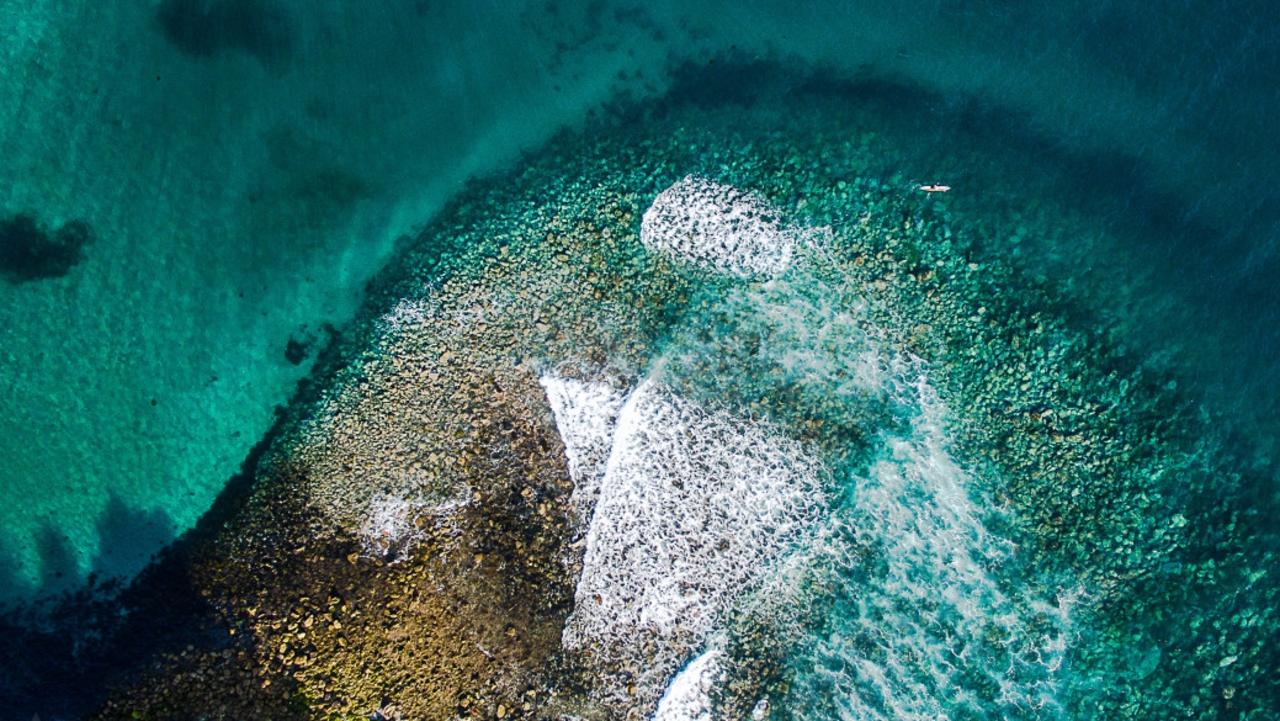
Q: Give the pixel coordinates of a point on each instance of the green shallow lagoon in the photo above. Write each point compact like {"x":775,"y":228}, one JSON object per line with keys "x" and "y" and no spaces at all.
{"x":1049,"y":495}
{"x":235,"y":203}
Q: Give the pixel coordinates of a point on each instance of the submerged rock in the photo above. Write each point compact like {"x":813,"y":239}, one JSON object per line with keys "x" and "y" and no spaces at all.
{"x":204,"y":28}
{"x":607,"y":419}
{"x":29,"y":252}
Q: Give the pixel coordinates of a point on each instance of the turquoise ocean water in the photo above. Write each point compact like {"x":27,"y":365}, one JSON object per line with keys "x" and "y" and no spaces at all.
{"x":245,"y":166}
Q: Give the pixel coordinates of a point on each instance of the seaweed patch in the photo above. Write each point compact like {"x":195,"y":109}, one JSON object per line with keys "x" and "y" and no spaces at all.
{"x":204,"y":28}
{"x":28,"y":251}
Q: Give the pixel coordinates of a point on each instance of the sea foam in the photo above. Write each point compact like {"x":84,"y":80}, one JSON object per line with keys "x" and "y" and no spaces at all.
{"x":930,"y":632}
{"x":688,"y":698}
{"x":394,"y":524}
{"x":889,"y":601}
{"x":720,"y":226}
{"x":694,"y":502}
{"x":585,"y":414}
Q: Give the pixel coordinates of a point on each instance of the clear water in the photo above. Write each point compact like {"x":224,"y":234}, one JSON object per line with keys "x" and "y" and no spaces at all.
{"x":246,"y":166}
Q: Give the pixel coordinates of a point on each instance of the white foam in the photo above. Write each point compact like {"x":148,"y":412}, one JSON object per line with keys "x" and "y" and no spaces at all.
{"x":444,"y":323}
{"x":716,"y":225}
{"x":933,"y":602}
{"x":698,"y":510}
{"x":586,"y":413}
{"x":794,"y":331}
{"x":407,"y":314}
{"x":694,"y":503}
{"x":688,"y":698}
{"x":393,"y":524}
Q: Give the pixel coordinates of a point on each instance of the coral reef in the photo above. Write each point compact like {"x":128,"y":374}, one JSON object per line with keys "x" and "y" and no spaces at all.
{"x":581,"y":457}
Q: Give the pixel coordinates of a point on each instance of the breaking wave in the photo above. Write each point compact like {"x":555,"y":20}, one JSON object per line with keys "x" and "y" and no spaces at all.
{"x":861,"y":547}
{"x":922,"y":626}
{"x":719,"y":226}
{"x":694,"y":502}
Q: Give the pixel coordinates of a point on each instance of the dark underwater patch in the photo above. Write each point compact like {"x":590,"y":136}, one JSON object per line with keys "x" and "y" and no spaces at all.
{"x":204,"y":28}
{"x":302,"y":343}
{"x":61,"y":653}
{"x":28,"y":251}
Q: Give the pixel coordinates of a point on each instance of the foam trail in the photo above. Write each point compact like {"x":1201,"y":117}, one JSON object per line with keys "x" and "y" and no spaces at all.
{"x":891,"y":604}
{"x":930,"y":633}
{"x":719,"y":226}
{"x":694,"y":503}
{"x":393,"y":524}
{"x":586,"y":413}
{"x":688,"y":698}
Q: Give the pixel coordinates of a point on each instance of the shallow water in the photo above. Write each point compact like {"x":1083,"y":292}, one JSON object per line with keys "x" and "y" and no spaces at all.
{"x":246,"y":166}
{"x":242,"y":188}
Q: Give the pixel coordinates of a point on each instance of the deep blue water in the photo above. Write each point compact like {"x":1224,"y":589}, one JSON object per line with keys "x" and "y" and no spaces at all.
{"x":243,"y":167}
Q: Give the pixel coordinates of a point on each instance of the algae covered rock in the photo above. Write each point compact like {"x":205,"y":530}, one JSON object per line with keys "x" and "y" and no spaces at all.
{"x":717,"y":415}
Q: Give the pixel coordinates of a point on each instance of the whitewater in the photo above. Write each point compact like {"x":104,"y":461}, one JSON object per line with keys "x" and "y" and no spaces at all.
{"x":874,"y":566}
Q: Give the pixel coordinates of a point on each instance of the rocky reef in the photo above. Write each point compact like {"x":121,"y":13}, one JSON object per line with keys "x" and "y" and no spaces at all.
{"x":717,"y":413}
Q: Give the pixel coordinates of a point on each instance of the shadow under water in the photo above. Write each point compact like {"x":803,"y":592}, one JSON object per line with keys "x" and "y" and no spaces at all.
{"x":29,"y":251}
{"x":62,"y":659}
{"x":61,"y":653}
{"x":205,"y":28}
